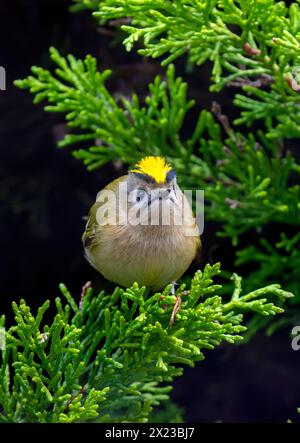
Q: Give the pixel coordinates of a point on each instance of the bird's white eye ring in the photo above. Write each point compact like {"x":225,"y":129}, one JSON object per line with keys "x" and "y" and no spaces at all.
{"x":140,"y":194}
{"x":137,"y":195}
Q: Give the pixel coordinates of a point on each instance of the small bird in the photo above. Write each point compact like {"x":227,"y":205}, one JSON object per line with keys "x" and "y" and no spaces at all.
{"x":141,"y":228}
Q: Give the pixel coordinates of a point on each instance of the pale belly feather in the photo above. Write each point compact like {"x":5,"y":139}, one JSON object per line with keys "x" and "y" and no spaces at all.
{"x":153,"y":258}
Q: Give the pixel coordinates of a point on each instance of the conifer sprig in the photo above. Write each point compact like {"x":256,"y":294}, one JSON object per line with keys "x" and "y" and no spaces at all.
{"x":251,"y":44}
{"x":113,"y":357}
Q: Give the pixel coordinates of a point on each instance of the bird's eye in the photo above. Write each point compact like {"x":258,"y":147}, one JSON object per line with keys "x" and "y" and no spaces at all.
{"x":140,"y":195}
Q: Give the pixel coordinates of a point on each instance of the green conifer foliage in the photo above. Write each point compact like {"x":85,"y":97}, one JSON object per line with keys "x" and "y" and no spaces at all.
{"x":116,"y":358}
{"x":113,"y":357}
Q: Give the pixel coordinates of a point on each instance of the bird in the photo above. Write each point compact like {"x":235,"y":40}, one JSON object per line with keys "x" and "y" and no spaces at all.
{"x":141,"y":228}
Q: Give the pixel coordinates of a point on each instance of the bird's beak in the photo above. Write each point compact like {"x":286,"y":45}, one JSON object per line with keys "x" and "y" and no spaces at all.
{"x":162,"y":194}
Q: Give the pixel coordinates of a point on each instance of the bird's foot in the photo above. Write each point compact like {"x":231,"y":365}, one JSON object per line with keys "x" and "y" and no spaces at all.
{"x":173,"y":291}
{"x":84,"y":290}
{"x":176,"y":308}
{"x":177,"y":305}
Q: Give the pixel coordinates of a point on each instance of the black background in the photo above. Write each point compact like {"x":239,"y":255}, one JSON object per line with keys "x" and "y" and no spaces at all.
{"x":45,"y":193}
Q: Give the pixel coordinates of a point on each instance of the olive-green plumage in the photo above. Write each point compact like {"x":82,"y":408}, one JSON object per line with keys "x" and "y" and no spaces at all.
{"x":149,"y":254}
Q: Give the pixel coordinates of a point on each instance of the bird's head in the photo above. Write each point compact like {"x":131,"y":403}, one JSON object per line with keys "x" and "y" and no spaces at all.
{"x":152,"y":181}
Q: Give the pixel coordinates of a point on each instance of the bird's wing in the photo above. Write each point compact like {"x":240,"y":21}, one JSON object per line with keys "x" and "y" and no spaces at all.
{"x":199,"y":253}
{"x":89,"y":236}
{"x":92,"y":231}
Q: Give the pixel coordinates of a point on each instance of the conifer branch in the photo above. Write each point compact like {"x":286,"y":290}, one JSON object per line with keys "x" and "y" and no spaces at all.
{"x":115,"y":358}
{"x":246,"y":42}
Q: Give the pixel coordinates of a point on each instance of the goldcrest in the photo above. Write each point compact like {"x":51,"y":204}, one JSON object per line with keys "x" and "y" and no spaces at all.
{"x":141,"y":228}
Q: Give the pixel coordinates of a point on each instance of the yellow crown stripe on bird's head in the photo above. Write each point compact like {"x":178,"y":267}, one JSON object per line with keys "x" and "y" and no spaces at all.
{"x":155,"y":167}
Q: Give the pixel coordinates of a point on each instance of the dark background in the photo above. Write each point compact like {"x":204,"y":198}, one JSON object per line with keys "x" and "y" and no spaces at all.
{"x":45,"y":192}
